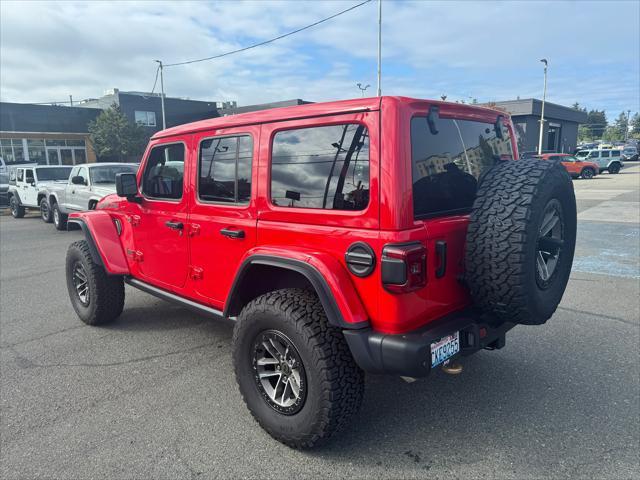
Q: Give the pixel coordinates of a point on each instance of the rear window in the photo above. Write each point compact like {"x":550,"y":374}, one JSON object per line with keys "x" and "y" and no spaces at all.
{"x":56,"y":173}
{"x":447,"y":162}
{"x":321,"y":167}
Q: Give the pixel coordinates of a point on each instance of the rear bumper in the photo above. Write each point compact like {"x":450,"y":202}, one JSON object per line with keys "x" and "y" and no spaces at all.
{"x":409,"y":354}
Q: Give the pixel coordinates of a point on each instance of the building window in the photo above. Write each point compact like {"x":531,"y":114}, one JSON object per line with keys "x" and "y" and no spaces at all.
{"x":146,"y":119}
{"x":37,"y":152}
{"x":12,"y":150}
{"x":321,"y":167}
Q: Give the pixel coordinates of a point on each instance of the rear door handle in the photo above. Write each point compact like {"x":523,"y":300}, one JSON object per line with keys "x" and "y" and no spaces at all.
{"x":441,"y":252}
{"x":174,"y":225}
{"x":227,"y":232}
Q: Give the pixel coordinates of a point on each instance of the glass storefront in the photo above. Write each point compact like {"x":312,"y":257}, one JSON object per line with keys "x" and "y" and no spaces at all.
{"x":43,"y":152}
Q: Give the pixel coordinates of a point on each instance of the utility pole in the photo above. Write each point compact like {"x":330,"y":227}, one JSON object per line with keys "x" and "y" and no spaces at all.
{"x":379,"y":48}
{"x":544,"y":96}
{"x":71,"y":101}
{"x":164,"y":121}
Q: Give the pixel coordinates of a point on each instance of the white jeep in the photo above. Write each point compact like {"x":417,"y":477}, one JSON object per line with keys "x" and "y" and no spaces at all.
{"x":28,"y":186}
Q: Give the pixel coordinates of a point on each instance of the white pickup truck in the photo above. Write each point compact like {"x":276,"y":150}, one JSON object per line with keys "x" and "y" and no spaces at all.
{"x":87,"y":185}
{"x":28,"y":186}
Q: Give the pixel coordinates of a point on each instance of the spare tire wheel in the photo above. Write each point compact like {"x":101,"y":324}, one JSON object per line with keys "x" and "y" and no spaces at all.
{"x":521,"y":240}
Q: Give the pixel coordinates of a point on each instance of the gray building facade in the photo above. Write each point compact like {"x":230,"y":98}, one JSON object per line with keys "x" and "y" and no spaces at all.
{"x":146,"y":109}
{"x":561,"y":123}
{"x":45,"y":134}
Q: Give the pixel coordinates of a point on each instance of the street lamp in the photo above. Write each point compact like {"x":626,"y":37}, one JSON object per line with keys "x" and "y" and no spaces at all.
{"x":362,"y":89}
{"x":160,"y":66}
{"x":544,"y":96}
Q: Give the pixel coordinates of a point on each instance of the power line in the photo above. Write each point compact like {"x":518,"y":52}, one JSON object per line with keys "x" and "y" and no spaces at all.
{"x":268,"y":41}
{"x":155,"y":82}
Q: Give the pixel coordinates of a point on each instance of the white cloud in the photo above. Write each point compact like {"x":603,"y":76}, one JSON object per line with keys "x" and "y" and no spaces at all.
{"x":487,"y":50}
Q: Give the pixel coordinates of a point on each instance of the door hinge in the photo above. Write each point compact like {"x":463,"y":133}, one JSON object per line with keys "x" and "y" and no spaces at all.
{"x":136,"y":255}
{"x":195,"y":273}
{"x":194,"y":229}
{"x":134,"y":220}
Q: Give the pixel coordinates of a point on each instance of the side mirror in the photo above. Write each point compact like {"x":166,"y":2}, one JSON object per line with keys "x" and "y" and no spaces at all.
{"x":77,"y":180}
{"x":126,"y":185}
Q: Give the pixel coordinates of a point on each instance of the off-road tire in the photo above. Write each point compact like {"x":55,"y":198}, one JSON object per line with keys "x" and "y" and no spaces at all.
{"x":17,"y":210}
{"x":106,"y":292}
{"x":45,"y":211}
{"x":588,"y":173}
{"x":334,"y":383}
{"x":503,"y":240}
{"x":614,"y":168}
{"x":59,"y":218}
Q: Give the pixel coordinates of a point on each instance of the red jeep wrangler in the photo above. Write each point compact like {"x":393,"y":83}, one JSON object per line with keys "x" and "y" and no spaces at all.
{"x":387,"y":235}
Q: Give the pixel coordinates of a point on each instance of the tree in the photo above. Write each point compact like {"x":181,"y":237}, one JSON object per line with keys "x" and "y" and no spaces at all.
{"x":113,"y":136}
{"x":596,"y":123}
{"x":635,"y":125}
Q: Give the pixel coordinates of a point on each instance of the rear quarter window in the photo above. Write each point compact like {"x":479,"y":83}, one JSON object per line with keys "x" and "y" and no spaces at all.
{"x":324,"y":167}
{"x":447,"y":162}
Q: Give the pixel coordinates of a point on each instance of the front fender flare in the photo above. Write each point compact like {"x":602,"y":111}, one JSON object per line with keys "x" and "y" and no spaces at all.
{"x":103,"y":239}
{"x":325,"y":274}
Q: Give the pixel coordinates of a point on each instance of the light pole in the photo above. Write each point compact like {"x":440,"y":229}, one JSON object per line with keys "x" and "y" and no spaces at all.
{"x":164,"y":121}
{"x":379,"y":48}
{"x":362,"y":89}
{"x":544,"y":96}
{"x":626,"y":132}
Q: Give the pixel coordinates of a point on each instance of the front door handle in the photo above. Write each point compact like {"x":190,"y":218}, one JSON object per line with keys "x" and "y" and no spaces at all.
{"x":227,"y":232}
{"x":174,"y":225}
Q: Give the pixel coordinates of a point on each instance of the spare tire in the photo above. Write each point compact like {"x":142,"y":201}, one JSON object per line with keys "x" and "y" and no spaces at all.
{"x":521,"y":240}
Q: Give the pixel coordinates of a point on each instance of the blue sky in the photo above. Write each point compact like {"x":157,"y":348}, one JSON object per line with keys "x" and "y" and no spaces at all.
{"x":468,"y":49}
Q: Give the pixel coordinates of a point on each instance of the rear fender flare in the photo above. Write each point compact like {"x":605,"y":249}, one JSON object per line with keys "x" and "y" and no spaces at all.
{"x":335,"y":291}
{"x":103,"y":239}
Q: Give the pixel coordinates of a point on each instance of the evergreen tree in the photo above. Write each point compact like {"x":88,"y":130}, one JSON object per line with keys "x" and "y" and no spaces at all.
{"x":113,"y":136}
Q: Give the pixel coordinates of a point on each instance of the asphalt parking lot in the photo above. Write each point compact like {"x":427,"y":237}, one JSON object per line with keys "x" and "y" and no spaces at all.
{"x":154,"y":396}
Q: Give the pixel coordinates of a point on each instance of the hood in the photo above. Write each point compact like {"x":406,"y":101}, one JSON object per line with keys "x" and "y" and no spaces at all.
{"x":104,"y":189}
{"x":44,"y":183}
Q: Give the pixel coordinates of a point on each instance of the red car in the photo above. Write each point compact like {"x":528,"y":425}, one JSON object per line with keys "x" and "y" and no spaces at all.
{"x":388,"y":235}
{"x":575,"y":167}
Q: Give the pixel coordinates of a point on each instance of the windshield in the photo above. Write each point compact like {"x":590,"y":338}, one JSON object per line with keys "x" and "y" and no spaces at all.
{"x":582,"y":154}
{"x":107,"y":174}
{"x":55,"y":173}
{"x":568,"y":158}
{"x":447,"y":160}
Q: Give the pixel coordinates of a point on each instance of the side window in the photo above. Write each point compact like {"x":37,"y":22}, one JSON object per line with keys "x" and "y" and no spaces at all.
{"x":224,"y":169}
{"x":594,"y":154}
{"x":321,"y":167}
{"x":605,"y":154}
{"x":20,"y":175}
{"x":164,"y":172}
{"x":615,"y":153}
{"x":29,"y":176}
{"x":558,"y":157}
{"x":84,"y":174}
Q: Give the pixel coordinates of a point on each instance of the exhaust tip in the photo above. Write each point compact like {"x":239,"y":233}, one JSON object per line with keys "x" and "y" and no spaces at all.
{"x":452,"y":368}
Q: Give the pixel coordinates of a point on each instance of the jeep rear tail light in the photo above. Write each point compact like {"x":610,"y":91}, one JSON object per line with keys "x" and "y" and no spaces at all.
{"x":404,"y":267}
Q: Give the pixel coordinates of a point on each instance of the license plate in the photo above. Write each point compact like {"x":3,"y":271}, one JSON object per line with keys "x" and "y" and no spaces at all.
{"x":444,"y":349}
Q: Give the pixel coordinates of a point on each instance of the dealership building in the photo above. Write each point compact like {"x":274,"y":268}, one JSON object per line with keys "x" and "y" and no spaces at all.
{"x":59,"y":135}
{"x":561,"y":123}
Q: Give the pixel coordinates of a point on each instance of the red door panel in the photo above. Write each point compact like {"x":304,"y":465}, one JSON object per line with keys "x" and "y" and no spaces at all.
{"x":222,"y":228}
{"x":159,"y":221}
